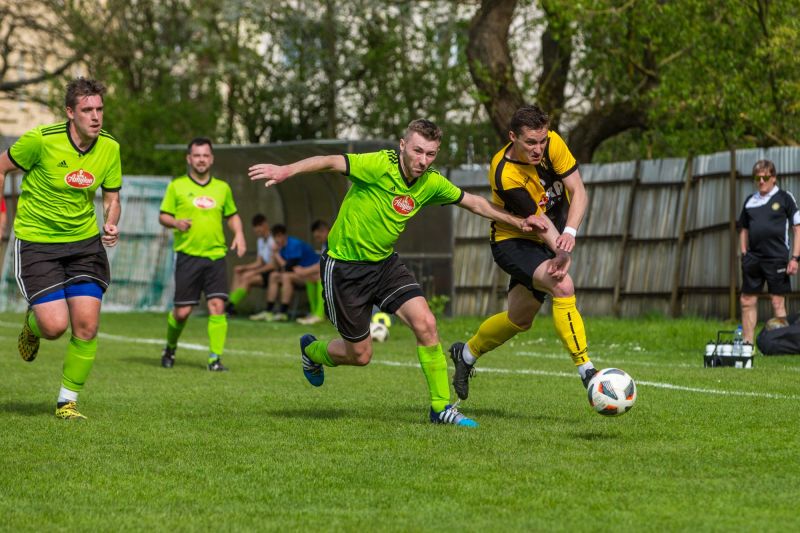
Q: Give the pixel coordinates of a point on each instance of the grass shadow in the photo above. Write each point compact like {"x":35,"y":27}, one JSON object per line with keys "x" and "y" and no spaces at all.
{"x":142,"y":360}
{"x":28,"y":408}
{"x":596,"y":435}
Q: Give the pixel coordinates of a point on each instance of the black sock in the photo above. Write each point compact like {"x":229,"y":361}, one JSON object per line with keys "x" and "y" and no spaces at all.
{"x":284,"y":308}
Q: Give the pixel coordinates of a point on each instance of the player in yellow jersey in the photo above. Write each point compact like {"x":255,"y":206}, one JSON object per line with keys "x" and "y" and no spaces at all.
{"x":534,"y":172}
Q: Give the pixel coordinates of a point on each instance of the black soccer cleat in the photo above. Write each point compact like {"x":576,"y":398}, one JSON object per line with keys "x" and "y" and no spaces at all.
{"x":587,"y":377}
{"x":463,"y":371}
{"x":217,"y":366}
{"x":168,"y":357}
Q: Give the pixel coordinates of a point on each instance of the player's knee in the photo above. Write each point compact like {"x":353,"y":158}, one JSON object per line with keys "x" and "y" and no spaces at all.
{"x":425,"y":329}
{"x":86,"y":330}
{"x":360,"y":354}
{"x":564,"y":288}
{"x":53,"y":329}
{"x":748,"y":300}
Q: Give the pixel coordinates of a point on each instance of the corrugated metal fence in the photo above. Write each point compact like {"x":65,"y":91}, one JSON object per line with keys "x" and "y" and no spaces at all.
{"x":659,"y":237}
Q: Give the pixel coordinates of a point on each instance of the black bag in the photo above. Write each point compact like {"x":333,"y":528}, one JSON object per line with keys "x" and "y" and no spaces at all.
{"x":781,"y":341}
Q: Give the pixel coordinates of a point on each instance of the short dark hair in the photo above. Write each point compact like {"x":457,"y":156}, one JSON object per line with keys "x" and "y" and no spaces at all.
{"x":529,"y":116}
{"x":259,"y":219}
{"x":278,"y":229}
{"x":82,"y":87}
{"x":199,"y":141}
{"x":319,"y":224}
{"x":424,"y":127}
{"x":764,"y":164}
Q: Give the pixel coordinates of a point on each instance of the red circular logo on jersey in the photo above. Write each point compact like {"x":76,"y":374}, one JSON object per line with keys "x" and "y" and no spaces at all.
{"x":204,"y":202}
{"x":403,"y":204}
{"x":80,"y":179}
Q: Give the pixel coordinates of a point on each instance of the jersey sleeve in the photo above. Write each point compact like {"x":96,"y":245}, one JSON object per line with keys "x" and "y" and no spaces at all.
{"x":563,"y":161}
{"x":229,"y":207}
{"x":366,"y":168}
{"x":445,"y":192}
{"x":26,"y":152}
{"x":744,"y":220}
{"x":169,"y":203}
{"x":113,"y":179}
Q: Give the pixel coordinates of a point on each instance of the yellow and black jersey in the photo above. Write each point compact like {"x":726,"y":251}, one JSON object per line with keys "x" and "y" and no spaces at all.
{"x":525,"y":189}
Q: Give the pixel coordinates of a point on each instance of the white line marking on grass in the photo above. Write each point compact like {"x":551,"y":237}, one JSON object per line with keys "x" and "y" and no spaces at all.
{"x":490,"y":370}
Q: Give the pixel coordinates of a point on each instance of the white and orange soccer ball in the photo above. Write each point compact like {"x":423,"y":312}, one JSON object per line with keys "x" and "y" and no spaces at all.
{"x":612,"y":392}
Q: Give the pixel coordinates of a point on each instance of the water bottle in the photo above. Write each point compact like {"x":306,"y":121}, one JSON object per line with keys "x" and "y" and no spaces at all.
{"x":738,"y":342}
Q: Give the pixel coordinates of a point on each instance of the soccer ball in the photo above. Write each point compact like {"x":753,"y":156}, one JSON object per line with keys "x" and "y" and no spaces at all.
{"x":383,"y":318}
{"x":378,"y":331}
{"x":612,"y":392}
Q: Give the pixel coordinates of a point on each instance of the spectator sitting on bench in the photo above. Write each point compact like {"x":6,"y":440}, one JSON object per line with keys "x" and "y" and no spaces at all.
{"x":316,"y":303}
{"x":295,"y":263}
{"x":255,"y":274}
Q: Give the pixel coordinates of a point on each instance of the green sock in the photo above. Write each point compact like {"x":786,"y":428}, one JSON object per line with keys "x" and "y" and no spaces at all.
{"x":174,"y":329}
{"x":434,"y":366}
{"x":217,"y":331}
{"x":320,"y":309}
{"x":34,"y":325}
{"x":237,"y":296}
{"x":78,"y":362}
{"x":317,"y":351}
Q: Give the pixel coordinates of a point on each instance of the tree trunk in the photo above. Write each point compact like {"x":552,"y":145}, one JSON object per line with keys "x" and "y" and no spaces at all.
{"x":490,"y":62}
{"x":556,"y":56}
{"x":601,"y":124}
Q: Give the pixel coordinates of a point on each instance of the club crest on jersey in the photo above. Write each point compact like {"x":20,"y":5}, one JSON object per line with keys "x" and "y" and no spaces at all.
{"x":204,"y":202}
{"x":79,"y":179}
{"x":403,"y":204}
{"x":776,"y":206}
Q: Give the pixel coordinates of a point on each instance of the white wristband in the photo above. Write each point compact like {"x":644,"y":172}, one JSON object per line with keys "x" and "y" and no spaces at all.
{"x":571,"y":231}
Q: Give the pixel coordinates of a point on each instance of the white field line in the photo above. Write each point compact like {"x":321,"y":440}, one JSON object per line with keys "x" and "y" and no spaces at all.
{"x":489,"y":370}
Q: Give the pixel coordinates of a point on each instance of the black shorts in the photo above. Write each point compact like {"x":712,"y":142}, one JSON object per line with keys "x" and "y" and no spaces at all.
{"x":520,"y":258}
{"x":194,"y":275}
{"x":44,"y":268}
{"x":755,"y":271}
{"x":352,"y":288}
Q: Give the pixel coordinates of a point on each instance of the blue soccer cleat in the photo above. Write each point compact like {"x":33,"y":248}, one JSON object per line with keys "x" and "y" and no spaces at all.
{"x":313,"y":372}
{"x":450,"y":415}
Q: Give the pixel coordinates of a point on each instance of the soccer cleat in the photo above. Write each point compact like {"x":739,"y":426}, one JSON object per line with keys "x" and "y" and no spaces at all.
{"x":463,"y":372}
{"x":28,"y":342}
{"x":450,"y":415}
{"x":168,"y":357}
{"x":68,"y":411}
{"x":217,"y":366}
{"x":278,"y":317}
{"x":314,"y":372}
{"x":263,"y":315}
{"x":587,"y":377}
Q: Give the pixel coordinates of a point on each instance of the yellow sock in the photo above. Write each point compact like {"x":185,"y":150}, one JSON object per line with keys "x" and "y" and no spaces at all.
{"x":569,"y":326}
{"x":494,"y":331}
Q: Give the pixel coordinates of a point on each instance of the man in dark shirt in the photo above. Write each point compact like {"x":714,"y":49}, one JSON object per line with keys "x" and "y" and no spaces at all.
{"x":764,"y":244}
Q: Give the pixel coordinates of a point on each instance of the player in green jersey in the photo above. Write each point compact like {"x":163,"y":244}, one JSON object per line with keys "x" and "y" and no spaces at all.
{"x":194,"y":206}
{"x":60,"y":261}
{"x":360,"y":267}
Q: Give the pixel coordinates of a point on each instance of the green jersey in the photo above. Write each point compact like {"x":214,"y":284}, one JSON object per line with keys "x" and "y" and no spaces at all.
{"x":56,"y":204}
{"x":205,"y":205}
{"x":379,"y":203}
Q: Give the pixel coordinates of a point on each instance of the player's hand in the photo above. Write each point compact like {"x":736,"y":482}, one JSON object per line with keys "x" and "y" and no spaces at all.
{"x":239,"y":245}
{"x":183,"y":224}
{"x":566,"y":242}
{"x":559,"y":265}
{"x":273,"y":174}
{"x":534,"y":223}
{"x":791,"y":268}
{"x":110,"y":235}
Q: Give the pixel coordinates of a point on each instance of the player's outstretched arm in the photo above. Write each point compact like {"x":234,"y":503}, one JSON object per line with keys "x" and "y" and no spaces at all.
{"x":112,"y":210}
{"x":239,"y":244}
{"x":275,"y":174}
{"x":578,"y":202}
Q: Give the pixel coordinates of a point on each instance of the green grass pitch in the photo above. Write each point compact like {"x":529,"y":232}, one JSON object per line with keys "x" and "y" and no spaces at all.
{"x":258,"y":448}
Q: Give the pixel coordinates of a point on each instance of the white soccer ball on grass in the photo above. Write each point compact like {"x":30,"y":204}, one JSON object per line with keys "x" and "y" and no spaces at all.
{"x":612,"y":392}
